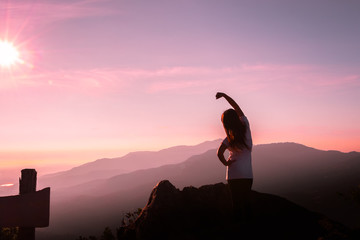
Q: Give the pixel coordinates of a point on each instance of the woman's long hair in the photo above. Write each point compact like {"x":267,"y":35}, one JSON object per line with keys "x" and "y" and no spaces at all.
{"x":235,"y":129}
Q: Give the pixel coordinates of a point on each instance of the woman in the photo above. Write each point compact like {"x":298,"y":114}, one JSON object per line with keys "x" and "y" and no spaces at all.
{"x":239,"y":144}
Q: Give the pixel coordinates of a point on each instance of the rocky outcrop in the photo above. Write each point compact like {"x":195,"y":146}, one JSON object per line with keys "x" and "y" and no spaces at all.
{"x":206,"y":213}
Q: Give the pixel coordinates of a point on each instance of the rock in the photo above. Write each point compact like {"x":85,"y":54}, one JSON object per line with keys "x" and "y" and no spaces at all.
{"x":206,"y":213}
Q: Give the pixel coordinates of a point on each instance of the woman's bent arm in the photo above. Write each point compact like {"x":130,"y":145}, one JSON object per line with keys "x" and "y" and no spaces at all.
{"x":220,"y":154}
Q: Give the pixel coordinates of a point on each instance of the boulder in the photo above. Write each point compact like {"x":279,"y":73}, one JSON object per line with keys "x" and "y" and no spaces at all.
{"x":206,"y":213}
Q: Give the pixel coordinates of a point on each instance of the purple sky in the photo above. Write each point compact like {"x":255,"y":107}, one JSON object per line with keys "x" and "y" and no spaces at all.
{"x":102,"y":78}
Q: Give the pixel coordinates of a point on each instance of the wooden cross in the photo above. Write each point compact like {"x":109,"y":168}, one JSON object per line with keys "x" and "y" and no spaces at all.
{"x":28,"y":210}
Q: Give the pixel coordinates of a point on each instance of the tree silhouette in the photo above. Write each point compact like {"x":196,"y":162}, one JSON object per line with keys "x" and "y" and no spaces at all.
{"x":107,"y":234}
{"x":9,"y":233}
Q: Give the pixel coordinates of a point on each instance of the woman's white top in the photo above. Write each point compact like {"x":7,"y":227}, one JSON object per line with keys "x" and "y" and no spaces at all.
{"x":241,"y":167}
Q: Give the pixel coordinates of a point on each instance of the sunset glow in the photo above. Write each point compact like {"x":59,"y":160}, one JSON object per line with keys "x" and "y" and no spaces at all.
{"x":82,"y":80}
{"x":9,"y":55}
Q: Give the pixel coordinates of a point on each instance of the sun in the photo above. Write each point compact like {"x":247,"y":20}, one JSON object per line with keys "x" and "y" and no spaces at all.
{"x":9,"y":55}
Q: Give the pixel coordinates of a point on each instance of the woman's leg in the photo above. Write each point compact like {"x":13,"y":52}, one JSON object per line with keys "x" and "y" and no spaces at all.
{"x":240,"y":192}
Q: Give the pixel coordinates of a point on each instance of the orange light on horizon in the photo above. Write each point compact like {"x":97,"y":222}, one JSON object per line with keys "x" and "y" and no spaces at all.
{"x":7,"y":185}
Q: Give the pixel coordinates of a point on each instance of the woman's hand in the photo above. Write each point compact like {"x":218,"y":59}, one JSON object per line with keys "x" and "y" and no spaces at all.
{"x":229,"y":162}
{"x":220,"y":95}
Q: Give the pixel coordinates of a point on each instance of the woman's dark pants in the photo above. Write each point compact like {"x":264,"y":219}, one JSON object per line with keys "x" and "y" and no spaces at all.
{"x":240,"y":193}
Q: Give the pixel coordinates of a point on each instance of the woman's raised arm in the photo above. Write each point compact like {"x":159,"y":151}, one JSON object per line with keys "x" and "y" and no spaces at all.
{"x":231,"y":102}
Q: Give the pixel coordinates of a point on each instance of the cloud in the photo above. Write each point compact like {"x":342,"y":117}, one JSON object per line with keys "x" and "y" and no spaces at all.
{"x":22,"y":15}
{"x":339,"y":81}
{"x":247,"y":78}
{"x":64,"y":11}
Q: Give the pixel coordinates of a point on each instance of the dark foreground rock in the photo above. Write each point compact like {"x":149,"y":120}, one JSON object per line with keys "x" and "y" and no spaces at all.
{"x":206,"y":213}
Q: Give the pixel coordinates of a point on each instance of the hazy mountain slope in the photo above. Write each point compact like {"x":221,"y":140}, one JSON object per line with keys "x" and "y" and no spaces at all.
{"x":197,"y":170}
{"x":108,"y":167}
{"x":295,"y":162}
{"x":313,"y":178}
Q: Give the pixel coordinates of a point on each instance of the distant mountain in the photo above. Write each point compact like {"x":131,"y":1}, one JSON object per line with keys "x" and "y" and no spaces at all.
{"x":318,"y":180}
{"x":108,"y":167}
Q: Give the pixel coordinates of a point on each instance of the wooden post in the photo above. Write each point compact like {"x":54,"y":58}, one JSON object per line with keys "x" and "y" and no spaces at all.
{"x":27,"y":185}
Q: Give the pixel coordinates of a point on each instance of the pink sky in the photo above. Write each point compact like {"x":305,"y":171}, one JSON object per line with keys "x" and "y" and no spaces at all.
{"x":103,"y":78}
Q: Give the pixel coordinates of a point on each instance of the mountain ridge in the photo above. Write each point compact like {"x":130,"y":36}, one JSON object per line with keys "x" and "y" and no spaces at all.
{"x":306,"y":176}
{"x":291,"y":146}
{"x":105,"y":167}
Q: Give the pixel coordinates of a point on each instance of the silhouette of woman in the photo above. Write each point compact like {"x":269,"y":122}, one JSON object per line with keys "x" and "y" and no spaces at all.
{"x":238,"y":142}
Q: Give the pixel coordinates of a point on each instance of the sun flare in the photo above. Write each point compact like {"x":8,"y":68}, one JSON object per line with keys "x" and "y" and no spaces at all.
{"x":9,"y":55}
